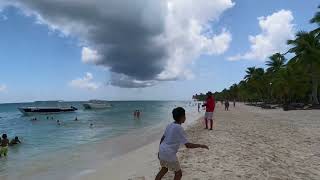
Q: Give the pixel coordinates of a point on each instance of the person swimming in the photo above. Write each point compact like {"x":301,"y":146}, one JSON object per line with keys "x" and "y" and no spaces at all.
{"x":91,"y":125}
{"x":15,"y":141}
{"x":58,"y":123}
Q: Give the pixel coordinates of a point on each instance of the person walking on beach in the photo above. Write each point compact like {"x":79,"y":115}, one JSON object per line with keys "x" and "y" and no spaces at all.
{"x":234,"y":102}
{"x":4,"y":145}
{"x":210,"y":105}
{"x":173,"y":137}
{"x":226,"y":105}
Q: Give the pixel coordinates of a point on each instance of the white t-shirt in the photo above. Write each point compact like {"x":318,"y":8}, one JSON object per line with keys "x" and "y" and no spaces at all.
{"x":174,"y":136}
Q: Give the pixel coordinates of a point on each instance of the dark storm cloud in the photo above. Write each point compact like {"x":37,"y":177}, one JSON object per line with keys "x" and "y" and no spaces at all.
{"x":122,"y":31}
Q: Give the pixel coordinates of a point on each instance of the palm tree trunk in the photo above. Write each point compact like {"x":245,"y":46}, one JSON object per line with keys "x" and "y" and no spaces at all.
{"x":315,"y":90}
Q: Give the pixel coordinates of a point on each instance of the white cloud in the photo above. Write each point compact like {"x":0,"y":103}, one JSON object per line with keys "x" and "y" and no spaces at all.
{"x":186,"y":23}
{"x":89,"y":55}
{"x":3,"y":17}
{"x":85,"y":83}
{"x":3,"y":88}
{"x":276,"y":29}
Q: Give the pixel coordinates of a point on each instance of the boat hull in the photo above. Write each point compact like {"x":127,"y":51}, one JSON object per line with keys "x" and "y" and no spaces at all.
{"x":96,"y":106}
{"x":45,"y":110}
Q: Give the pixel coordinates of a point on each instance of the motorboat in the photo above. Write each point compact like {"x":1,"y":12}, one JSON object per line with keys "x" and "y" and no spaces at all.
{"x":45,"y":110}
{"x":97,"y":104}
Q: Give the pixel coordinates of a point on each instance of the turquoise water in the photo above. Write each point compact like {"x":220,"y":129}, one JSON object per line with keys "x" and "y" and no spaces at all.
{"x":43,"y":138}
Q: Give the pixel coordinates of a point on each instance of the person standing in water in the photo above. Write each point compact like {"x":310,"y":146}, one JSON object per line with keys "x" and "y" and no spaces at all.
{"x":210,"y":105}
{"x":135,"y":114}
{"x":4,"y":145}
{"x":198,"y":107}
{"x":138,"y":114}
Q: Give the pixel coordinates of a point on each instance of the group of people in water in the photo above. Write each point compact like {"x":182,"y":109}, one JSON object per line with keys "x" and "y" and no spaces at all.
{"x":5,"y":143}
{"x":136,"y":114}
{"x":58,"y":121}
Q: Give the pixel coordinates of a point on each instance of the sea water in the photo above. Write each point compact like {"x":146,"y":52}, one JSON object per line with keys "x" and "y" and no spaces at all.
{"x":47,"y":147}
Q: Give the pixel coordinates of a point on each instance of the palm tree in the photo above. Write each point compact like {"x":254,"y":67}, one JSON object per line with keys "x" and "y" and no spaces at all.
{"x":316,"y":20}
{"x":306,"y":48}
{"x":275,"y":63}
{"x":250,"y":71}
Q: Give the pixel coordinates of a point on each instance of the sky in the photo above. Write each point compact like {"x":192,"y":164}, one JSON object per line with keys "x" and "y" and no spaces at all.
{"x":138,"y":50}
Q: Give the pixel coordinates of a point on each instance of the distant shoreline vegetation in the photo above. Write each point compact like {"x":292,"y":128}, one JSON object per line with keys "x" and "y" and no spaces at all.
{"x":284,"y":81}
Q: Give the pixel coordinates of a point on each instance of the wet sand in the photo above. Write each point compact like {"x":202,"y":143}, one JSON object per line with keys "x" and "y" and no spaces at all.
{"x":247,"y":143}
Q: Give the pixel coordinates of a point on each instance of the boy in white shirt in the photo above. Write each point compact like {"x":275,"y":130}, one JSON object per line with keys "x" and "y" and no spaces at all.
{"x":173,"y":137}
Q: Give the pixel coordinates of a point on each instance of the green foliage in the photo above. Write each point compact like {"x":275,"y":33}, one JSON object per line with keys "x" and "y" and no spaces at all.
{"x":295,"y":80}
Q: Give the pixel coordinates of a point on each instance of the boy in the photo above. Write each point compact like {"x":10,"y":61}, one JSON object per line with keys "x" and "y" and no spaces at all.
{"x":4,"y":145}
{"x":173,"y":137}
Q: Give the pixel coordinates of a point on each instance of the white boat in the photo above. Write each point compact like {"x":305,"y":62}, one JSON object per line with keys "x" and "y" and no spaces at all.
{"x":96,"y":104}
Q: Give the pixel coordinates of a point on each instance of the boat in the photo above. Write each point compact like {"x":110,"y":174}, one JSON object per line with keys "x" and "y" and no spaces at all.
{"x":45,"y":110}
{"x":96,"y":104}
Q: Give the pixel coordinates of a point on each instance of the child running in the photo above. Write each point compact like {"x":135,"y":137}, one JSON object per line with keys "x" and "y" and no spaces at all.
{"x":4,"y":145}
{"x":173,"y":137}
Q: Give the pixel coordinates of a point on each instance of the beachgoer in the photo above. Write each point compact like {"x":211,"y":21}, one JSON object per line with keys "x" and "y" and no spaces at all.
{"x":4,"y":145}
{"x":234,"y":103}
{"x":135,"y":113}
{"x":210,"y":105}
{"x":15,"y":141}
{"x":138,"y":113}
{"x":226,"y":105}
{"x":91,"y":125}
{"x":58,"y":123}
{"x":76,"y":119}
{"x":198,"y":107}
{"x":173,"y":137}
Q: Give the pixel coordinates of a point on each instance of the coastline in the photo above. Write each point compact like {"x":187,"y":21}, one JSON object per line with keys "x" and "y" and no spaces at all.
{"x":74,"y":159}
{"x":247,"y":143}
{"x":138,"y":161}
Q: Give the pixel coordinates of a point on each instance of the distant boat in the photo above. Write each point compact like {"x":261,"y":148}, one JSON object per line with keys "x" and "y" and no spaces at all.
{"x":45,"y":110}
{"x":97,"y":104}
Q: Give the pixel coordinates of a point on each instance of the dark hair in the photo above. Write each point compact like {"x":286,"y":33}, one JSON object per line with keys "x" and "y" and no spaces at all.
{"x":4,"y":136}
{"x":177,"y":113}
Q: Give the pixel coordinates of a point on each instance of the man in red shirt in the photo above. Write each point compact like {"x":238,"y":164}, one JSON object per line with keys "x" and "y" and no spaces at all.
{"x":210,"y":105}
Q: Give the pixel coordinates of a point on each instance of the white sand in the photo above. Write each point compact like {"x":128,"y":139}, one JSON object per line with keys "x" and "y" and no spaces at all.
{"x":247,"y":143}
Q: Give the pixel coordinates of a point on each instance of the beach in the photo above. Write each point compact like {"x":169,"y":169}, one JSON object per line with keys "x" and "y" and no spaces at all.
{"x":247,"y":143}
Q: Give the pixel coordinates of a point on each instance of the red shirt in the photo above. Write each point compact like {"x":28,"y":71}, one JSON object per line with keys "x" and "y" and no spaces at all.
{"x":210,"y":104}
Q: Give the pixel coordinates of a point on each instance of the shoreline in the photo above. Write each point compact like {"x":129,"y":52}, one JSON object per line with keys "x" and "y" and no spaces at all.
{"x":247,"y":143}
{"x":135,"y":162}
{"x":88,"y":158}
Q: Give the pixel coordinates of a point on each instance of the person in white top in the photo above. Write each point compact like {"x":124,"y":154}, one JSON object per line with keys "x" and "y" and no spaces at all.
{"x":173,"y":137}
